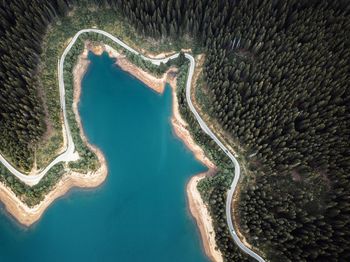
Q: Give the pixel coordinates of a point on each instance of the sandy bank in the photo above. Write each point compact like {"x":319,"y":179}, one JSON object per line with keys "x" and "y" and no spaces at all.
{"x":155,"y":83}
{"x":29,"y":215}
{"x":204,"y":221}
{"x":158,"y":85}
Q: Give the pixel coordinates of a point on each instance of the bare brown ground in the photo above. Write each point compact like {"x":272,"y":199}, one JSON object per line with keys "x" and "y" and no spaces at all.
{"x":202,"y":216}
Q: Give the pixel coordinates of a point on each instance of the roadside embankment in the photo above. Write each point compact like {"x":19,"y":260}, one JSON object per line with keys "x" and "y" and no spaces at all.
{"x":197,"y":206}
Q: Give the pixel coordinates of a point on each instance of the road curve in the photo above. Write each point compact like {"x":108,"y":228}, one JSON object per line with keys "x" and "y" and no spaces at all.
{"x":233,"y":186}
{"x":68,"y":153}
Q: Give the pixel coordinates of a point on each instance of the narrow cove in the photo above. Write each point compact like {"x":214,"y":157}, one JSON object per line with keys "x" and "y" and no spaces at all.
{"x":140,"y":213}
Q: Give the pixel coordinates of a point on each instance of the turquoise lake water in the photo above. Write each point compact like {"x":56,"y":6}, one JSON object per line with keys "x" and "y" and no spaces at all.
{"x":140,"y":213}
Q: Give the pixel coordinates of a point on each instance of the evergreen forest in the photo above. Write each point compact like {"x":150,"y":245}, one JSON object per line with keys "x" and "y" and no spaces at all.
{"x":276,"y":75}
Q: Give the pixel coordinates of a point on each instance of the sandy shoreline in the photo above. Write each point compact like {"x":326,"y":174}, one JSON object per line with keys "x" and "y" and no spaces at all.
{"x":27,"y":216}
{"x":201,"y":214}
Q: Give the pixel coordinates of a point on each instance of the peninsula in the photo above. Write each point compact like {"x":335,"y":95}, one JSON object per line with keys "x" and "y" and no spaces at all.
{"x":27,"y":215}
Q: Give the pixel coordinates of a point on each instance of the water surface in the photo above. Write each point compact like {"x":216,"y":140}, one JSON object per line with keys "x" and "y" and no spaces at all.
{"x":140,"y":213}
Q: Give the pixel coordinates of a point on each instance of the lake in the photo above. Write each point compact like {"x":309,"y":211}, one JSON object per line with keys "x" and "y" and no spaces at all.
{"x":140,"y":213}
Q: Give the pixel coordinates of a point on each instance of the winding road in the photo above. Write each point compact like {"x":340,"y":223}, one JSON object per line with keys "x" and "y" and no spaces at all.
{"x":68,"y":154}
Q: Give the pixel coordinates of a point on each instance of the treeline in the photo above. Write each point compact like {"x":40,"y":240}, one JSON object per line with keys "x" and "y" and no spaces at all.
{"x":88,"y":160}
{"x":22,"y":27}
{"x":276,"y":74}
{"x":212,"y":189}
{"x":279,"y":86}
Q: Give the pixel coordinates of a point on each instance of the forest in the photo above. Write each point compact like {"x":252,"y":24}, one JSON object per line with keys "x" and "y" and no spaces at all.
{"x":277,"y":76}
